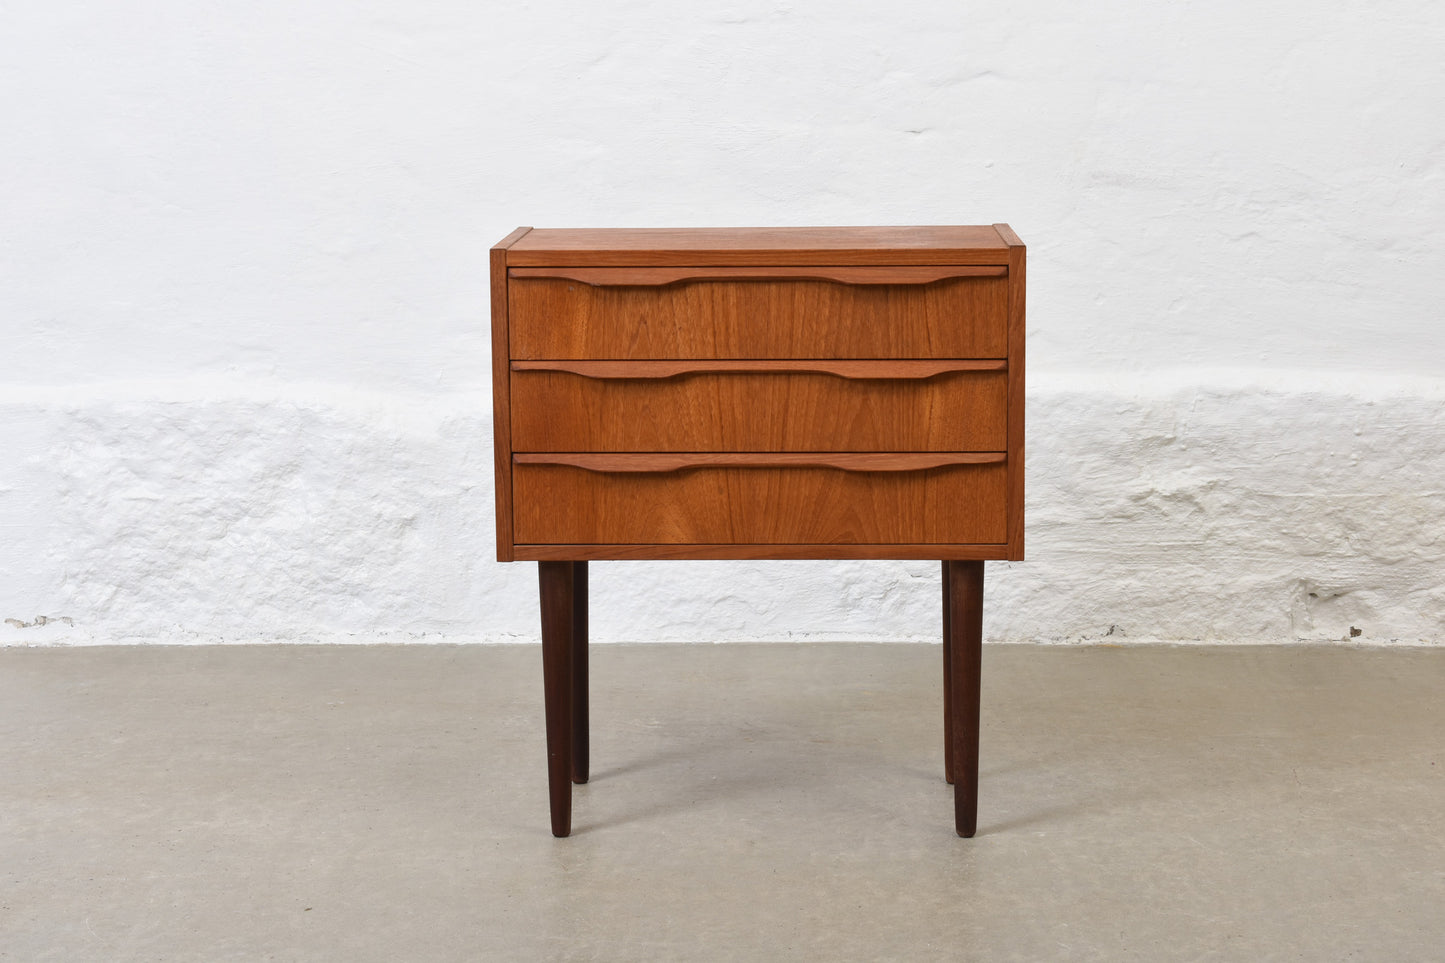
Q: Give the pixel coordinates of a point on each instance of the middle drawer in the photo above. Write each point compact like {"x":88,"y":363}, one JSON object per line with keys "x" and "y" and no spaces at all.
{"x":623,"y":406}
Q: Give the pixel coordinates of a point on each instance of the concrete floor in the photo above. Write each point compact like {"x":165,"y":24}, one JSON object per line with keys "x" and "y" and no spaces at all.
{"x":776,"y":802}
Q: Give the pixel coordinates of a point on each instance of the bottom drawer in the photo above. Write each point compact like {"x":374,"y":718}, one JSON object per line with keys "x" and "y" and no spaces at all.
{"x":752,"y":504}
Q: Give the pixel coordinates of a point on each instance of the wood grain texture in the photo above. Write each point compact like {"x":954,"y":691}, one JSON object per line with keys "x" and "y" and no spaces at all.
{"x":774,"y":411}
{"x":600,"y":551}
{"x":561,"y":503}
{"x":958,"y":318}
{"x":658,"y":276}
{"x":1017,"y":342}
{"x":501,"y":394}
{"x":760,"y":246}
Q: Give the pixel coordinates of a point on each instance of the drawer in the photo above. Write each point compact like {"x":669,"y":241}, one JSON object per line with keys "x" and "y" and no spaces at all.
{"x":758,"y":406}
{"x":758,"y":312}
{"x":953,"y":498}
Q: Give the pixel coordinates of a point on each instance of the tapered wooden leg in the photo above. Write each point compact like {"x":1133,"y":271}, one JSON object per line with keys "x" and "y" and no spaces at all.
{"x":947,"y":683}
{"x":965,"y":642}
{"x":556,"y":582}
{"x":579,"y":672}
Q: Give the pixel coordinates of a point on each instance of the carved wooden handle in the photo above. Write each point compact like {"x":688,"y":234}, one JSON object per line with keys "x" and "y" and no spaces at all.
{"x":658,"y":276}
{"x":682,"y":461}
{"x":857,"y":370}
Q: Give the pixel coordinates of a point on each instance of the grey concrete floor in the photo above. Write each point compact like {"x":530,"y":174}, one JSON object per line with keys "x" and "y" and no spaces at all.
{"x":748,"y":802}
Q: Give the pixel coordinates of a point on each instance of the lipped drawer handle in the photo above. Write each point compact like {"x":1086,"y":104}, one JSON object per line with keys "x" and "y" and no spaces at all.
{"x":659,"y":276}
{"x":858,"y":370}
{"x":682,"y":461}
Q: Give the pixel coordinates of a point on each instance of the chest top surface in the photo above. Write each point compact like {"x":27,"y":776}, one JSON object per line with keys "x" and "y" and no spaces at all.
{"x":761,"y":246}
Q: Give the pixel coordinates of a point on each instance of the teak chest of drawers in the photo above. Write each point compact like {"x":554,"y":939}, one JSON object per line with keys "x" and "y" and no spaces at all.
{"x":745,"y":393}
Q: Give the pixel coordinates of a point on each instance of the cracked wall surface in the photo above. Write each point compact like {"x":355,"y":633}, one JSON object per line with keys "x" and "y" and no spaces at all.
{"x":244,"y":304}
{"x":1272,"y":511}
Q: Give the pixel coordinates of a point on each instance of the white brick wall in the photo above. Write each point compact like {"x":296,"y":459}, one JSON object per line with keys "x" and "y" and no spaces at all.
{"x":243,"y":304}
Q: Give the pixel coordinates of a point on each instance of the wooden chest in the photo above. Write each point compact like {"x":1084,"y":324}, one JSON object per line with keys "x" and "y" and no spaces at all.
{"x":760,"y":394}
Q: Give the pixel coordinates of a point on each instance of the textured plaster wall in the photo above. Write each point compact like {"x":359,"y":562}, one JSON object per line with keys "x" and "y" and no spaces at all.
{"x":243,"y":302}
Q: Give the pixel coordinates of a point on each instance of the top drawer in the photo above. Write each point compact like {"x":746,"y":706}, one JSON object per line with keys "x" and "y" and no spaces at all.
{"x":758,"y":312}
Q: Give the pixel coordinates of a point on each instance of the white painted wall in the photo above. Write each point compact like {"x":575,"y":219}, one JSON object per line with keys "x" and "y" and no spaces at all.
{"x":243,"y":309}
